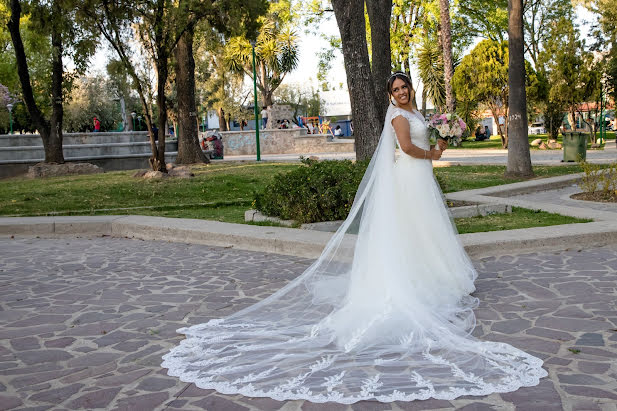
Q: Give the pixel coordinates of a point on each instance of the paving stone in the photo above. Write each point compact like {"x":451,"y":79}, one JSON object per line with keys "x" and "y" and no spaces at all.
{"x":94,"y":399}
{"x":57,"y":395}
{"x":585,"y":391}
{"x":115,"y":337}
{"x":580,"y":379}
{"x":43,"y":356}
{"x":262,"y":403}
{"x":585,"y":405}
{"x":543,"y":396}
{"x":477,"y":406}
{"x":25,"y":343}
{"x":122,"y":320}
{"x":572,"y":312}
{"x":93,"y":359}
{"x":214,"y":402}
{"x":589,"y":367}
{"x":592,"y":339}
{"x":60,"y":342}
{"x":552,"y":334}
{"x":156,"y":384}
{"x":431,"y":404}
{"x":145,"y":402}
{"x":39,"y":320}
{"x":511,"y":326}
{"x":122,"y":379}
{"x":9,"y":402}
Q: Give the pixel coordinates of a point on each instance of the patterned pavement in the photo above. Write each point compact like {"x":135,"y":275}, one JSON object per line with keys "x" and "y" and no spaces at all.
{"x":84,"y":323}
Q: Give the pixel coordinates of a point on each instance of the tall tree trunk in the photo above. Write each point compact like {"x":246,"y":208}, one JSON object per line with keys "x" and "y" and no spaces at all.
{"x":519,"y":158}
{"x":222,"y":123}
{"x":189,"y":151}
{"x":446,"y":42}
{"x":367,"y":120}
{"x":380,"y":13}
{"x":51,"y":133}
{"x":157,"y":161}
{"x":53,"y":148}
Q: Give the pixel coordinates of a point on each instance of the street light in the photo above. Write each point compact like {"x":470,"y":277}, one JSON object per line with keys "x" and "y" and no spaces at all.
{"x":133,"y":114}
{"x":139,"y":119}
{"x":255,"y":103}
{"x":10,"y":108}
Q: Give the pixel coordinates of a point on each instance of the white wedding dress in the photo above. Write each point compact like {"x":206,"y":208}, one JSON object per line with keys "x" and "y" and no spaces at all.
{"x":384,"y":313}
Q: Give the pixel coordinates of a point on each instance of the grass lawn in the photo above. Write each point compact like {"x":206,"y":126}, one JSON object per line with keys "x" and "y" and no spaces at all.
{"x":460,"y":178}
{"x":221,"y":192}
{"x":495,"y":142}
{"x":520,"y":218}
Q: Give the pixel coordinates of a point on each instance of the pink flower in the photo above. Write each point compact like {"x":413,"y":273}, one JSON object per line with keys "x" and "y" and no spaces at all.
{"x":462,"y":124}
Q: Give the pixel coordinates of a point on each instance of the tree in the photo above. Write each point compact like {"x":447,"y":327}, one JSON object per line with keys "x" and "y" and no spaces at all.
{"x":362,"y":78}
{"x":482,"y":76}
{"x":446,"y":45}
{"x":159,"y":26}
{"x":57,"y":20}
{"x":538,"y":18}
{"x":568,"y":69}
{"x":91,"y":96}
{"x":188,"y":142}
{"x":276,"y":51}
{"x":429,"y":60}
{"x":519,"y":158}
{"x":303,"y":101}
{"x":485,"y":18}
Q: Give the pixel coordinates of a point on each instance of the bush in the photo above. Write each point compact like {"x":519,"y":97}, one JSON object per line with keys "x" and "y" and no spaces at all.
{"x":599,"y":178}
{"x":319,"y":191}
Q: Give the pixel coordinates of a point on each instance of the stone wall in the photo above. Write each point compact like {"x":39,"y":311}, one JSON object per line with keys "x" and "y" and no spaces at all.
{"x":291,"y":141}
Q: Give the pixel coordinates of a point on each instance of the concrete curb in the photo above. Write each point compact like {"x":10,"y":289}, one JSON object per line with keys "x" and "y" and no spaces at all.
{"x":290,"y":241}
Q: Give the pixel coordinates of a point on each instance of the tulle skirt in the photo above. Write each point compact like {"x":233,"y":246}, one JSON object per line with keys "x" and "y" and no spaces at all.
{"x":389,"y":321}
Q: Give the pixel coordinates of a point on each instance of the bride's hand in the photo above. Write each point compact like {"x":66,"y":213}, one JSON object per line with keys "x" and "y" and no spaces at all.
{"x":443,"y":144}
{"x":435,"y":154}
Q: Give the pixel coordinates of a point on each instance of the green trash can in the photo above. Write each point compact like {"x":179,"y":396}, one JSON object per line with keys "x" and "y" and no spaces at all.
{"x":574,"y":146}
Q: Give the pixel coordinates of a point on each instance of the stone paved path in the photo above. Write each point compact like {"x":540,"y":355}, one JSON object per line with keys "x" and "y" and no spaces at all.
{"x":84,"y":323}
{"x":562,"y":197}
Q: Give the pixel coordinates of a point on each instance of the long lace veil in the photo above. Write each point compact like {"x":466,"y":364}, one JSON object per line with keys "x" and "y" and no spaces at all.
{"x":351,"y":327}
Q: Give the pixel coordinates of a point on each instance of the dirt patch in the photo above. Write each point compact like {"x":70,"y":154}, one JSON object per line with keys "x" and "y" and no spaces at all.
{"x":597,"y":196}
{"x":459,"y":203}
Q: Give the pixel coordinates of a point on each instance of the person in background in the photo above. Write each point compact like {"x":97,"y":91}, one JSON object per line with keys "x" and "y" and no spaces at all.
{"x":311,"y":128}
{"x":338,"y":131}
{"x":487,"y":132}
{"x":264,"y":117}
{"x":97,"y":124}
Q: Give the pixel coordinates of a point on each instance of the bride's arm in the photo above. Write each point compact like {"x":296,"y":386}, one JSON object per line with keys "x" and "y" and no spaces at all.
{"x":401,"y":129}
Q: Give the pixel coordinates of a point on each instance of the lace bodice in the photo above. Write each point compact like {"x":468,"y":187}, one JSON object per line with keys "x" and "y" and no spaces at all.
{"x":417,"y":127}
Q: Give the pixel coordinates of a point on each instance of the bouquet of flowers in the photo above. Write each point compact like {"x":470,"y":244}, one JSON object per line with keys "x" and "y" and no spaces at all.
{"x":449,"y":127}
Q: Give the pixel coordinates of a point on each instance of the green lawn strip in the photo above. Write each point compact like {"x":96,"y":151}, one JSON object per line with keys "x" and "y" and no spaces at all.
{"x":468,"y":177}
{"x":495,"y":142}
{"x":220,"y":192}
{"x":113,"y":190}
{"x":520,"y":218}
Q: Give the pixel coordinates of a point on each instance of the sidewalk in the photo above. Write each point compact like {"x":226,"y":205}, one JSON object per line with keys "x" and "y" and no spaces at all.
{"x":459,"y":156}
{"x":86,"y":311}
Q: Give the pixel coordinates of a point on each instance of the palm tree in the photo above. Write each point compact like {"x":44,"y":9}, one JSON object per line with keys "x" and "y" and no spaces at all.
{"x":276,"y":54}
{"x":430,"y":67}
{"x":519,"y":159}
{"x":446,"y":43}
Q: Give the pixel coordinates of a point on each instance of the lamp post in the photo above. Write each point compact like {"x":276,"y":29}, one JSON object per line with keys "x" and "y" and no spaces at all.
{"x":133,"y":114}
{"x":139,"y":119}
{"x":10,"y":108}
{"x":253,"y":42}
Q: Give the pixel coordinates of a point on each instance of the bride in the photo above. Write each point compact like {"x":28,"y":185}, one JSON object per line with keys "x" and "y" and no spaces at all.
{"x":385,"y":313}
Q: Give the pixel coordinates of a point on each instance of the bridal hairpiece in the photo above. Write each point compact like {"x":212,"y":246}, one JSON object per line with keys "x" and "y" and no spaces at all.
{"x":398,"y":73}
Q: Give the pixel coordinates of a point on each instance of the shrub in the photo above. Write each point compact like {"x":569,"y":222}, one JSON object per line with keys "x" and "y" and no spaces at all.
{"x":319,"y":191}
{"x":599,"y":178}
